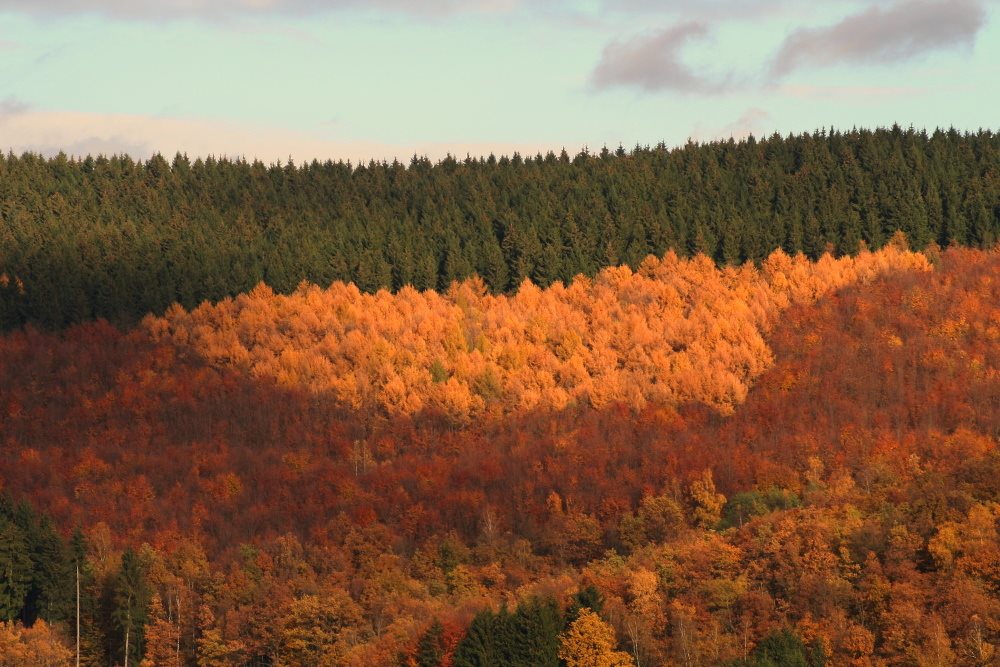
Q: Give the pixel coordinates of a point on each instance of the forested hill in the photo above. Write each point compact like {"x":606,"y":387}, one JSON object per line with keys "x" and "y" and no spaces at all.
{"x":115,"y":238}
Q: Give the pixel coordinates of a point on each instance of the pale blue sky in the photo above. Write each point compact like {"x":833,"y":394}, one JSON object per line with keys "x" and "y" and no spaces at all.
{"x":349,"y":79}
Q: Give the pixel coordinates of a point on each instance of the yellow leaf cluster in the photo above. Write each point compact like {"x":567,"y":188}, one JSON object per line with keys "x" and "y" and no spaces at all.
{"x":676,"y":330}
{"x":590,"y":642}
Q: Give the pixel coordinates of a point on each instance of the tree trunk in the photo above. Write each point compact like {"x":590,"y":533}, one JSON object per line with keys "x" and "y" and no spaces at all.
{"x":128,"y":628}
{"x":77,"y":615}
{"x":178,"y":629}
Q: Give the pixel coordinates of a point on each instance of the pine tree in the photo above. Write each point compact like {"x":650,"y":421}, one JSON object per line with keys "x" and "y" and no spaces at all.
{"x":90,"y":639}
{"x":730,"y":248}
{"x":15,"y":570}
{"x":53,"y":580}
{"x":785,"y":649}
{"x":431,"y":649}
{"x":982,"y":225}
{"x":850,"y":232}
{"x":479,"y":646}
{"x":535,"y":627}
{"x":131,"y":598}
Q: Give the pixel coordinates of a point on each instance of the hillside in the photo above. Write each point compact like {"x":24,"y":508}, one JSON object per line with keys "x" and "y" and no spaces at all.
{"x":675,"y":331}
{"x":114,"y":238}
{"x":833,"y":493}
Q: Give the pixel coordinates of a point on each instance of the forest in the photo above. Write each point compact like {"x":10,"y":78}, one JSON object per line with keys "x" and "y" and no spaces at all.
{"x":115,"y":238}
{"x":687,"y":459}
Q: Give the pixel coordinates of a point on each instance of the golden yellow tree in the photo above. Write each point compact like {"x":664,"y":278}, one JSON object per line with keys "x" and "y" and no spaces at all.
{"x":37,"y":645}
{"x":314,"y":628}
{"x":706,"y":502}
{"x":162,"y":638}
{"x":214,"y":650}
{"x":590,"y":642}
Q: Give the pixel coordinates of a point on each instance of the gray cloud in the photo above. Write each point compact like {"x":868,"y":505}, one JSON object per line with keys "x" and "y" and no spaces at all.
{"x":653,"y":62}
{"x":220,"y":9}
{"x":114,"y":145}
{"x":752,"y":121}
{"x":899,"y":32}
{"x":11,"y":106}
{"x":704,"y":9}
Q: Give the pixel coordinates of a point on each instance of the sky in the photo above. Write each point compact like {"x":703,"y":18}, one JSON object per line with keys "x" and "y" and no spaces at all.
{"x":384,"y":79}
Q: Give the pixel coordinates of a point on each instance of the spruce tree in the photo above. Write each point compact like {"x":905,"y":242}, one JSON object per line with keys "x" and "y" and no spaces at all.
{"x":479,"y":646}
{"x":430,"y":650}
{"x":131,"y":597}
{"x":15,"y":570}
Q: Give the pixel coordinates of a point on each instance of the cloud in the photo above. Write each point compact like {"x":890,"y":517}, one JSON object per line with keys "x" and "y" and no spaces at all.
{"x":220,"y":9}
{"x":752,"y":121}
{"x":899,"y":32}
{"x":856,"y":93}
{"x":652,"y":62}
{"x":704,"y":9}
{"x":10,"y":106}
{"x":78,"y":133}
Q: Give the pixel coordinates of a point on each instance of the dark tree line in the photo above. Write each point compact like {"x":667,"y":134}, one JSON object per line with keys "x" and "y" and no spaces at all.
{"x":40,"y":573}
{"x":116,"y":238}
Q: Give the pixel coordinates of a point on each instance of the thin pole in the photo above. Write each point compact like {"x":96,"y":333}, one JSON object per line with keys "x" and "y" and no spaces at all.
{"x":78,"y":614}
{"x":128,"y":625}
{"x":178,"y":628}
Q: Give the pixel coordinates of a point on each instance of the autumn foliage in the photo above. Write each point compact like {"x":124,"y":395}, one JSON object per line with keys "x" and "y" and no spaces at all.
{"x":812,"y":476}
{"x":37,"y":645}
{"x":675,"y":331}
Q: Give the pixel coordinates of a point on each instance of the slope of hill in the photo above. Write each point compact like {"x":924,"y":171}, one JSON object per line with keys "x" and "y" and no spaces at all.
{"x":112,"y":238}
{"x":847,"y":507}
{"x":673,"y":332}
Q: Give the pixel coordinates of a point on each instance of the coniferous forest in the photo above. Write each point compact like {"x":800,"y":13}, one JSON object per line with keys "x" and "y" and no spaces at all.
{"x":734,"y":403}
{"x":115,"y":238}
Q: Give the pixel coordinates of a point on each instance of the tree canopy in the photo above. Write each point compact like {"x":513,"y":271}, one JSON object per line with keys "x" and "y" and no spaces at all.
{"x":115,"y":238}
